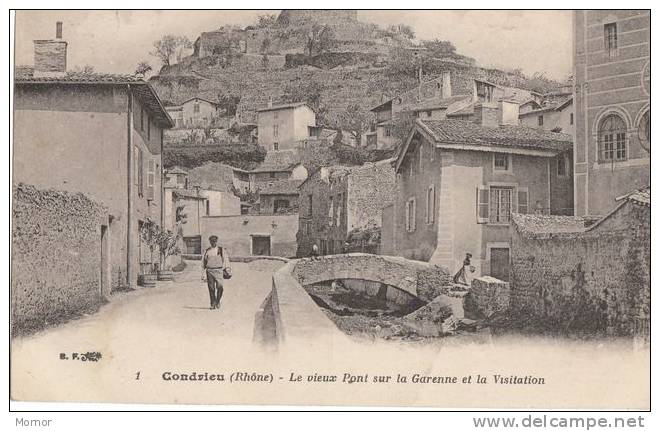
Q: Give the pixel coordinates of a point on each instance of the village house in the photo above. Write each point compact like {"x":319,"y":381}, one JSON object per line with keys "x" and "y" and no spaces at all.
{"x":556,"y":114}
{"x":98,"y":134}
{"x":612,"y":69}
{"x":283,"y":127}
{"x":431,"y":92}
{"x":338,"y":200}
{"x":194,"y":113}
{"x":458,"y":182}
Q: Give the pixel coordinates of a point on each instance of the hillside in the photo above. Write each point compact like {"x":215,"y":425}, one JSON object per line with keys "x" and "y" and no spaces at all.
{"x":363,"y":65}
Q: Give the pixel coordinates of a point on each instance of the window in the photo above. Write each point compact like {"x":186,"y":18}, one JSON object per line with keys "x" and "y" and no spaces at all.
{"x":148,"y":129}
{"x":410,"y":215}
{"x":276,"y":115}
{"x":540,"y":120}
{"x":340,"y":204}
{"x":151,"y":180}
{"x":502,"y":162}
{"x":612,"y":139}
{"x":280,"y":205}
{"x":140,"y":172}
{"x":500,"y":204}
{"x":276,"y":146}
{"x":387,"y":131}
{"x":571,"y":120}
{"x":331,"y":209}
{"x":430,"y":205}
{"x":208,"y":207}
{"x":276,"y":131}
{"x":310,"y":201}
{"x":428,"y":114}
{"x":136,"y":165}
{"x":611,"y":42}
{"x":271,"y":174}
{"x":421,"y":156}
{"x":196,"y":108}
{"x":141,"y":119}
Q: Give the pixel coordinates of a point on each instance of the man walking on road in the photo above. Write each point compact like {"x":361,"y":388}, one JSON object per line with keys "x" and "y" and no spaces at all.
{"x":214,"y":262}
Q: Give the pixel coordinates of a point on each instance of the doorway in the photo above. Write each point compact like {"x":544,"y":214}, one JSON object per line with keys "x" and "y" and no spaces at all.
{"x":105,"y":282}
{"x":499,"y":263}
{"x":261,"y":245}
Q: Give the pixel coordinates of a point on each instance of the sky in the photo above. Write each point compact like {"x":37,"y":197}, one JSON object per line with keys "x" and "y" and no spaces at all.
{"x":115,"y":41}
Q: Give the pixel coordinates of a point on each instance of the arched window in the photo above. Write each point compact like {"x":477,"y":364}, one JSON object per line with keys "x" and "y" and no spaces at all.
{"x":644,"y":131}
{"x":612,"y":138}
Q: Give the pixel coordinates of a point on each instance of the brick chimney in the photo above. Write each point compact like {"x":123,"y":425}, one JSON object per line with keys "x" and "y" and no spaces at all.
{"x":508,"y":112}
{"x":50,"y":55}
{"x":446,"y":84}
{"x":486,"y":114}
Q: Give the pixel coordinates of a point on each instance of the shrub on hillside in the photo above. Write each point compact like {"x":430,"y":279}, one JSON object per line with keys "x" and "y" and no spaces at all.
{"x":244,"y":156}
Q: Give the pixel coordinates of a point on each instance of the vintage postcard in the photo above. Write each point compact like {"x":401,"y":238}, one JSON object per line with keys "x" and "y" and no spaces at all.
{"x":413,"y":208}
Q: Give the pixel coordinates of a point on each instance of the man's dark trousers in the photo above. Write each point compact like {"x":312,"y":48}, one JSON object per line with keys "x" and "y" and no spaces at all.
{"x":214,"y":282}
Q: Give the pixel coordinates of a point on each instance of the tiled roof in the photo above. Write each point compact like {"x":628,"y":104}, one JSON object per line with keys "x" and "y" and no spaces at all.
{"x":176,"y":170}
{"x":466,"y":110}
{"x":283,"y":106}
{"x":553,"y":105}
{"x":25,"y":75}
{"x":549,"y":224}
{"x":187,"y":193}
{"x":639,"y":197}
{"x":283,"y":187}
{"x":278,"y":161}
{"x":470,"y":133}
{"x":439,"y":104}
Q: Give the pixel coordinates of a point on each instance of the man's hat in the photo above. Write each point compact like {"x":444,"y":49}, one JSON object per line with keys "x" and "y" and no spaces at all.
{"x":213,"y":238}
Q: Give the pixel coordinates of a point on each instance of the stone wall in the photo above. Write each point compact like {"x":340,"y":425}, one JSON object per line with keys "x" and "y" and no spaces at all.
{"x":487,"y":296}
{"x":56,"y":257}
{"x":596,"y":281}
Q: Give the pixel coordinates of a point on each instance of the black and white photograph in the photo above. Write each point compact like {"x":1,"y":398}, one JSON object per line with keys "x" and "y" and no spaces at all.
{"x":348,"y":208}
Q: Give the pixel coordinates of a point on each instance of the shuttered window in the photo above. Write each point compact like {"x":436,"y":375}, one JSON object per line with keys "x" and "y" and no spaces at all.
{"x":151,"y":180}
{"x":410,"y":215}
{"x":140,"y":172}
{"x":496,"y":204}
{"x":430,"y":205}
{"x":523,"y":200}
{"x":482,"y":205}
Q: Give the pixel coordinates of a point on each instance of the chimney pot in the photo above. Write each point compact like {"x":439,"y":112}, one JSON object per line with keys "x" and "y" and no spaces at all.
{"x":58,"y":30}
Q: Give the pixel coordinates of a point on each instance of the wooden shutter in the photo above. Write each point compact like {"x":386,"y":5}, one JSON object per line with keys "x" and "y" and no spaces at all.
{"x":523,"y":200}
{"x":140,"y":172}
{"x":408,"y":216}
{"x":151,"y":180}
{"x":413,"y":216}
{"x":483,"y":204}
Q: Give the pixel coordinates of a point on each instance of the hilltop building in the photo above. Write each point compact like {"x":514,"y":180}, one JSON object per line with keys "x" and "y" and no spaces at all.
{"x":283,"y":127}
{"x":194,"y":113}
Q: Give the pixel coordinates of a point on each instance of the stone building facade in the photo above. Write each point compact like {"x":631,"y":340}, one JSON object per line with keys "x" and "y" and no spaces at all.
{"x":194,"y":113}
{"x":336,"y":200}
{"x":580,"y":274}
{"x":611,"y":58}
{"x":283,"y":127}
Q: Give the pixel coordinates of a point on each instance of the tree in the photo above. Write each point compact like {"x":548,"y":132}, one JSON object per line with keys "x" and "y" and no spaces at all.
{"x":143,"y":68}
{"x":439,"y":48}
{"x":85,"y":70}
{"x":183,"y":45}
{"x":308,"y":91}
{"x":354,"y":120}
{"x":402,"y":29}
{"x":170,"y":45}
{"x":229,"y":102}
{"x":318,"y":38}
{"x":266,"y":20}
